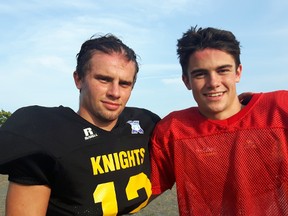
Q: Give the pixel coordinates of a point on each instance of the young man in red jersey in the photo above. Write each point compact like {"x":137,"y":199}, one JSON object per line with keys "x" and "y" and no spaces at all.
{"x":226,"y":157}
{"x":93,"y":162}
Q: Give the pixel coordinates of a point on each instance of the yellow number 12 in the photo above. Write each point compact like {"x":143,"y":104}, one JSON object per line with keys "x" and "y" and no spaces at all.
{"x":106,"y":195}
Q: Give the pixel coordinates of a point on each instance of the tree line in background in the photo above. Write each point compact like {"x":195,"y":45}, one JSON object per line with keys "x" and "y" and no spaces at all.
{"x":4,"y":115}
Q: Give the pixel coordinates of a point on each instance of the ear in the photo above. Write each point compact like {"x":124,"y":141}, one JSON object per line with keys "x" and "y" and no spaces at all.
{"x":77,"y":80}
{"x":238,"y":73}
{"x":185,"y":79}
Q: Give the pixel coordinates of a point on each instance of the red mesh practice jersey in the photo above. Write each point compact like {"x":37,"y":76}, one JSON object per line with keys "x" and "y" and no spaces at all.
{"x":237,"y":166}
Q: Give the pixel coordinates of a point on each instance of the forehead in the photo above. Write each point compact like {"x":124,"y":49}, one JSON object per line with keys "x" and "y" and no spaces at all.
{"x":210,"y":57}
{"x":114,"y":59}
{"x":99,"y":56}
{"x":112,"y":65}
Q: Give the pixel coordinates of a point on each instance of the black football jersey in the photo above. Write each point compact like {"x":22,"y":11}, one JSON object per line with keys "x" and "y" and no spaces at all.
{"x":90,"y":171}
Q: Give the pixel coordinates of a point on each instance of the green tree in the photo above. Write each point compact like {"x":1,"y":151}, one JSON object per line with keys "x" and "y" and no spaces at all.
{"x":4,"y":115}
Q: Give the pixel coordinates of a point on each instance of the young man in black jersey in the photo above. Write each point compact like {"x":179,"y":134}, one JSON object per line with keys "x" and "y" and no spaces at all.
{"x":93,"y":162}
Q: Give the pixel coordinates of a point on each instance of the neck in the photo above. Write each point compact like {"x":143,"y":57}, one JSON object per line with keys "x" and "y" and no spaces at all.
{"x":104,"y":124}
{"x":222,"y":115}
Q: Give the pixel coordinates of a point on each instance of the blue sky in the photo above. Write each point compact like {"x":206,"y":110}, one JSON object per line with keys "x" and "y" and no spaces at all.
{"x":40,"y":39}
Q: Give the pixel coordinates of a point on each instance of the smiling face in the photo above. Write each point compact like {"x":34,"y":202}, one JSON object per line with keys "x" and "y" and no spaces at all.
{"x":212,"y":77}
{"x":105,"y":89}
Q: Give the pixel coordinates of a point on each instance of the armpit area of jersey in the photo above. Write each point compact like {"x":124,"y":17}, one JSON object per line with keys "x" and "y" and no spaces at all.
{"x":30,"y":170}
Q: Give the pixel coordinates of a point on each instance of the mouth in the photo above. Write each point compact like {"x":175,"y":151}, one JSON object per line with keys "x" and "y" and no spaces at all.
{"x":111,"y":105}
{"x":214,"y":94}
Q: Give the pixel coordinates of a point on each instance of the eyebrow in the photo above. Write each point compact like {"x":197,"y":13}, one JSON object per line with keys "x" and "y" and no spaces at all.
{"x":217,"y":68}
{"x":100,"y":76}
{"x":225,"y":66}
{"x":198,"y":70}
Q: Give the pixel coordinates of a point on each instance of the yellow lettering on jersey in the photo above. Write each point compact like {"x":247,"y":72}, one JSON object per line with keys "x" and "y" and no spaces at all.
{"x":142,"y":153}
{"x":136,"y":153}
{"x":108,"y":163}
{"x":131,"y":158}
{"x":116,"y":161}
{"x":96,"y":165}
{"x":123,"y":160}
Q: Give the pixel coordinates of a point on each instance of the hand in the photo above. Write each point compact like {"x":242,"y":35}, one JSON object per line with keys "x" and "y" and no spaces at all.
{"x":245,"y":97}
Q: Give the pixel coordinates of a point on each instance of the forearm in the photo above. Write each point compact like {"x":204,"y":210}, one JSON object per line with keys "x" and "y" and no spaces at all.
{"x":27,"y":200}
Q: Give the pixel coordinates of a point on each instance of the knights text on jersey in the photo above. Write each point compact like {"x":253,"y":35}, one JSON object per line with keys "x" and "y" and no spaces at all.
{"x":237,"y":166}
{"x":90,"y":171}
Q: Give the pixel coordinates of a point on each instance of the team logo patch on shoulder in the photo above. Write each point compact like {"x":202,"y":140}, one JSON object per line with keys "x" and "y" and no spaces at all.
{"x":135,"y":127}
{"x":89,"y":133}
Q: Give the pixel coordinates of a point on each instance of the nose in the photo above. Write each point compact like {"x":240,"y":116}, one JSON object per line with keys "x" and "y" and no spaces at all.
{"x":213,"y":80}
{"x":114,"y":90}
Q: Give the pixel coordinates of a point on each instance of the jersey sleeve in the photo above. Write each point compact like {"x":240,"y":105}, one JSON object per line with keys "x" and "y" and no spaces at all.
{"x":30,"y":170}
{"x":162,"y":171}
{"x":23,"y":159}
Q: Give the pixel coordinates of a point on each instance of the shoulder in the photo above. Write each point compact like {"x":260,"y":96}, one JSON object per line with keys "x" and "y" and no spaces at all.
{"x":34,"y":115}
{"x":178,"y":120}
{"x":277,"y":100}
{"x":189,"y":114}
{"x":34,"y":121}
{"x":280,"y":94}
{"x":176,"y":125}
{"x":34,"y":111}
{"x":279,"y":97}
{"x":35,"y":130}
{"x":140,"y":113}
{"x":268,"y":104}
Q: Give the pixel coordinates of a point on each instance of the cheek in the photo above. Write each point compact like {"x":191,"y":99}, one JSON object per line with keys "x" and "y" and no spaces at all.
{"x":197,"y":85}
{"x":92,"y":91}
{"x":232,"y":81}
{"x":196,"y":92}
{"x":126,"y":93}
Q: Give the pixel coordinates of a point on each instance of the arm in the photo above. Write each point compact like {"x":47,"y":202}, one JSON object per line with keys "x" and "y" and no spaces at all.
{"x":27,"y":200}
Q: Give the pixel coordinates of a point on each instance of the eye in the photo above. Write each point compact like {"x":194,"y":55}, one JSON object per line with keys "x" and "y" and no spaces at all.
{"x":103,"y":79}
{"x":198,"y":74}
{"x":224,"y":71}
{"x":125,"y":84}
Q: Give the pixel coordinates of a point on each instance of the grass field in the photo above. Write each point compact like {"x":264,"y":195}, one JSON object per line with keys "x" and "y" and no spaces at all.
{"x":164,"y":205}
{"x":3,"y":190}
